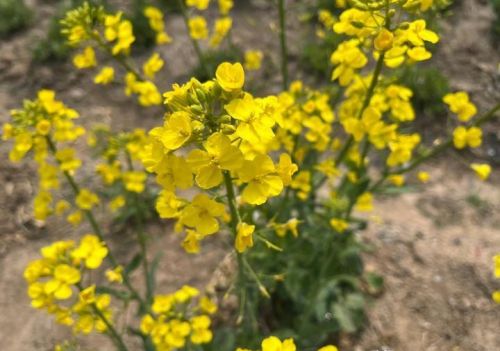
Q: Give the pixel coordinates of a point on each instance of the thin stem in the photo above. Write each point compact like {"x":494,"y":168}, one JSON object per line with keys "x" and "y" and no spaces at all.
{"x":366,"y":102}
{"x":231,"y":199}
{"x":195,"y":43}
{"x":113,"y":334}
{"x":283,"y":44}
{"x":243,"y":264}
{"x":369,"y":93}
{"x":96,"y":228}
{"x":141,"y":237}
{"x":120,"y":59}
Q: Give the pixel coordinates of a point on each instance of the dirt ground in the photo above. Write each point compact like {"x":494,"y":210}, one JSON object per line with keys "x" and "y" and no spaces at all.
{"x":434,"y":246}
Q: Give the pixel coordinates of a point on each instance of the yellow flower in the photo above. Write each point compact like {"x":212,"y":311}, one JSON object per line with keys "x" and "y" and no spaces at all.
{"x":384,"y":40}
{"x":263,"y":182}
{"x":115,"y":275}
{"x":168,"y":205}
{"x":418,"y":33}
{"x":230,"y":77}
{"x":207,"y":305}
{"x":109,"y":172}
{"x":163,"y":38}
{"x":496,"y":266}
{"x":173,"y":172}
{"x":198,"y":28}
{"x":202,"y":214}
{"x":365,"y":202}
{"x":48,"y":176}
{"x":148,"y":93}
{"x":225,"y":6}
{"x":339,"y":224}
{"x":42,"y":205}
{"x":286,"y":168}
{"x":85,"y":59}
{"x":254,"y":125}
{"x":482,"y":170}
{"x":105,"y":76}
{"x":200,"y":332}
{"x":191,"y":242}
{"x":134,"y":181}
{"x":185,"y":294}
{"x":176,"y":131}
{"x":423,"y":176}
{"x":328,"y":348}
{"x":61,"y":207}
{"x":272,"y":343}
{"x":153,"y":65}
{"x":199,"y":4}
{"x":162,"y":303}
{"x":117,"y":203}
{"x":67,"y":160}
{"x":402,"y":148}
{"x":221,"y":28}
{"x":253,"y":59}
{"x":347,"y":58}
{"x":496,"y":296}
{"x":459,"y":103}
{"x":91,"y":251}
{"x":125,"y":38}
{"x":43,"y":127}
{"x":60,"y":285}
{"x":155,"y":17}
{"x":86,"y":199}
{"x":244,"y":237}
{"x":463,"y":137}
{"x":397,"y":179}
{"x":75,"y":218}
{"x":302,"y":183}
{"x":419,"y":53}
{"x":220,"y":155}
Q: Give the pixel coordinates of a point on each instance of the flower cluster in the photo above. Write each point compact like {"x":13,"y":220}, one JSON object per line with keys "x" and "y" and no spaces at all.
{"x":175,"y":322}
{"x":45,"y":126}
{"x":157,"y":24}
{"x":56,"y":278}
{"x":273,"y":343}
{"x":91,"y":28}
{"x":227,"y":135}
{"x":466,"y":135}
{"x":117,"y":166}
{"x":198,"y":27}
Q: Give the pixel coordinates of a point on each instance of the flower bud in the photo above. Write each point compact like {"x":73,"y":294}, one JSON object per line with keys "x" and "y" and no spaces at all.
{"x":384,"y":40}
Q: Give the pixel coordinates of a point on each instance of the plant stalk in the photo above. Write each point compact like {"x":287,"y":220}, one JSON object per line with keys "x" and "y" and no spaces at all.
{"x":97,"y":230}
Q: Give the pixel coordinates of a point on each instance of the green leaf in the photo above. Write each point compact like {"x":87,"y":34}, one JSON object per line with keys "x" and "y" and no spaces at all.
{"x":133,"y":264}
{"x":224,"y":340}
{"x":375,"y":282}
{"x":153,"y":269}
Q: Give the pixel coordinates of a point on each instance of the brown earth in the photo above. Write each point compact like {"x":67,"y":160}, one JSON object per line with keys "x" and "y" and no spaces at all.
{"x":433,"y":246}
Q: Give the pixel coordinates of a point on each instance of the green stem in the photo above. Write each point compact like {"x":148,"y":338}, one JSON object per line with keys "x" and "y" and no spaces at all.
{"x":243,"y":264}
{"x":283,"y":44}
{"x":195,"y":43}
{"x":369,"y":93}
{"x":113,"y":334}
{"x":231,"y":199}
{"x":96,"y":228}
{"x":141,"y":238}
{"x":120,"y":59}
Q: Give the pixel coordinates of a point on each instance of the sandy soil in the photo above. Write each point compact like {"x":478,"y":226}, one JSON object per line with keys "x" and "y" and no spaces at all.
{"x":433,"y":246}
